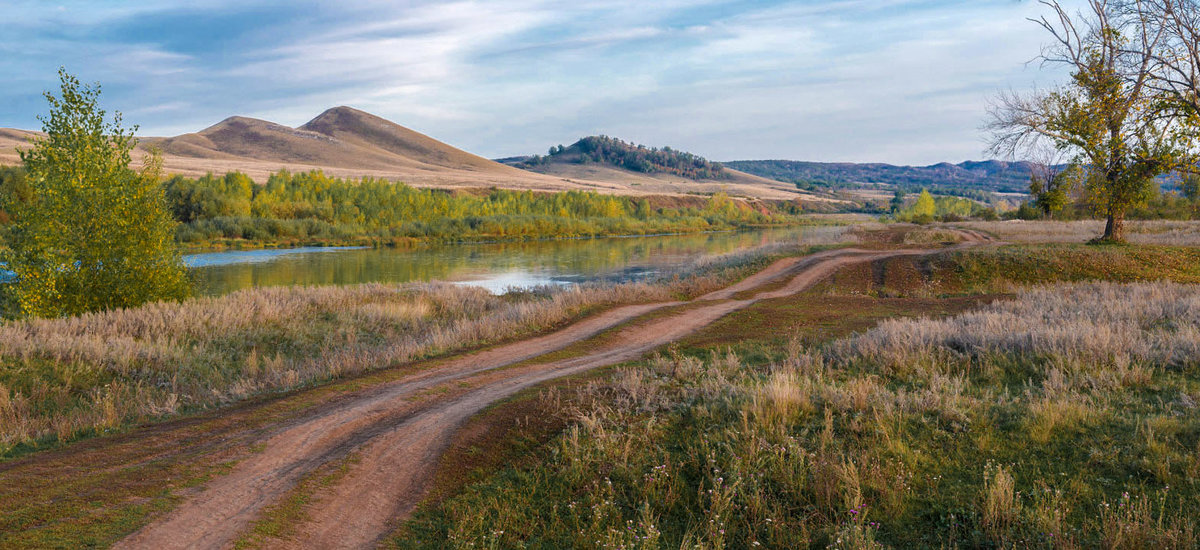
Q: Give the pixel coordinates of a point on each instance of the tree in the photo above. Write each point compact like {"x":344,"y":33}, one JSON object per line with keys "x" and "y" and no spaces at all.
{"x":13,"y":190}
{"x":94,"y":233}
{"x":1050,"y":187}
{"x":1106,"y":117}
{"x":925,"y":208}
{"x":897,"y":201}
{"x":1190,"y":185}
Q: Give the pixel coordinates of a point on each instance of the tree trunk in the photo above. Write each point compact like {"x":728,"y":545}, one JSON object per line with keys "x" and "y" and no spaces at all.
{"x":1114,"y":230}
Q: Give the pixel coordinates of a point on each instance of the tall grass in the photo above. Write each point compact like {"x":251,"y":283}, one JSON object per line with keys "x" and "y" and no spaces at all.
{"x":60,"y":378}
{"x":1064,"y":418}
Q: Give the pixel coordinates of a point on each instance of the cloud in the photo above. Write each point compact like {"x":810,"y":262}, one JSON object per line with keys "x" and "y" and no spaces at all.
{"x":881,"y":80}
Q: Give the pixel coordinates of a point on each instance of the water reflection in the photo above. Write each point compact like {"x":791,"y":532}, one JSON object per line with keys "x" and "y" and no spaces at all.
{"x":495,"y":266}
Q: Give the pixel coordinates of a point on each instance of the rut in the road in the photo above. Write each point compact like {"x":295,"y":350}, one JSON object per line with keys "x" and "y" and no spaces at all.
{"x":398,"y":435}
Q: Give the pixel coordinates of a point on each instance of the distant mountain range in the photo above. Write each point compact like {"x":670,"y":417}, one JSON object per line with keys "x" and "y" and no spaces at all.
{"x":990,"y":175}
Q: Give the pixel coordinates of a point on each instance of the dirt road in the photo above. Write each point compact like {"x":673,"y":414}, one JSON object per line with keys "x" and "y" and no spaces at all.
{"x":397,"y":431}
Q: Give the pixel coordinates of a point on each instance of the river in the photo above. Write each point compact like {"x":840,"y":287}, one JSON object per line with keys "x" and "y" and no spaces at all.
{"x":495,"y":266}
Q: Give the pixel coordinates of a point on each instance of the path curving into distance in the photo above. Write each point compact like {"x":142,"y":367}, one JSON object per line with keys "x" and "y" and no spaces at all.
{"x":397,"y":431}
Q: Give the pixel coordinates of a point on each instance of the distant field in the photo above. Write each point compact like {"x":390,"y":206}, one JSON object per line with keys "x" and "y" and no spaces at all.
{"x":1166,"y":232}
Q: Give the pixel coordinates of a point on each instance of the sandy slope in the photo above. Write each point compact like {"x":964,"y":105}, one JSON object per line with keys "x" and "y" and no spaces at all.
{"x":347,"y":142}
{"x":397,"y":431}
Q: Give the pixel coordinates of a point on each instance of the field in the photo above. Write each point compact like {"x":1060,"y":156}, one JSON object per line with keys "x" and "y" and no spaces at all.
{"x":1186,"y":233}
{"x":921,"y":386}
{"x":95,"y":373}
{"x":1058,"y":416}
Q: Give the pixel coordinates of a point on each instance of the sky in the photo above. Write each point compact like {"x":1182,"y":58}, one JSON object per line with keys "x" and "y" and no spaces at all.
{"x":897,"y":81}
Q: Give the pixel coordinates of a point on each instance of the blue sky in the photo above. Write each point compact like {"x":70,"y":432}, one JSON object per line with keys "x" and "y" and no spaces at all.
{"x":899,"y":81}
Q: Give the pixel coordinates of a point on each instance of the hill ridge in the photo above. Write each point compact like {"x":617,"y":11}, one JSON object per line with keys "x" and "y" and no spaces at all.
{"x":984,"y":175}
{"x":347,"y":142}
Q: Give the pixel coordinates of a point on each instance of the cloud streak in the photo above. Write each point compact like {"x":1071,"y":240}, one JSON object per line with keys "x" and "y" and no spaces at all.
{"x":903,"y":81}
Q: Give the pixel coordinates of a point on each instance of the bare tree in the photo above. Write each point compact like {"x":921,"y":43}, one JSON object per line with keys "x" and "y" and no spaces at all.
{"x":1177,"y":57}
{"x":1106,"y":118}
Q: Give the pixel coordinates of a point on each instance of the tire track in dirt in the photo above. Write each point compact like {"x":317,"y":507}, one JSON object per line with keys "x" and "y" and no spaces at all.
{"x":228,"y":504}
{"x":398,"y":436}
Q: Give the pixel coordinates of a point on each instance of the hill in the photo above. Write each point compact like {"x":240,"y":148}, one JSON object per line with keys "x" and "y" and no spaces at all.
{"x":349,"y":143}
{"x":636,"y":158}
{"x":608,"y":159}
{"x":991,"y":175}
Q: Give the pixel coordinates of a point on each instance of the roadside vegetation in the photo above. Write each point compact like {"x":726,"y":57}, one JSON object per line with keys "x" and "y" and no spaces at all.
{"x":97,"y":372}
{"x":928,"y":208}
{"x":1058,"y":417}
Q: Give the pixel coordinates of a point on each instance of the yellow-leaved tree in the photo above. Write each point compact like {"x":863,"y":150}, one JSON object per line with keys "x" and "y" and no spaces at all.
{"x":94,"y":234}
{"x":925,"y":208}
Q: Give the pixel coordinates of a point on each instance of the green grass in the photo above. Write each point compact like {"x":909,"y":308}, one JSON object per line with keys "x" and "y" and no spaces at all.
{"x":986,"y":269}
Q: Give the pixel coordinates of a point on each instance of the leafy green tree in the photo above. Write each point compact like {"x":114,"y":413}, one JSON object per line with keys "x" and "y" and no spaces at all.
{"x":13,"y":190}
{"x":94,"y":233}
{"x":897,"y":201}
{"x":1050,"y":190}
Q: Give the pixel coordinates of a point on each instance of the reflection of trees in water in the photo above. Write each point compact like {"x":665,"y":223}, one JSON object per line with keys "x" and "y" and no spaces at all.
{"x":608,"y":259}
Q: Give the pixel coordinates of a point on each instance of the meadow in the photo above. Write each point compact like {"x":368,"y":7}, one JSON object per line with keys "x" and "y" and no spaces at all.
{"x":1061,"y":415}
{"x":99,"y":372}
{"x":1164,"y":232}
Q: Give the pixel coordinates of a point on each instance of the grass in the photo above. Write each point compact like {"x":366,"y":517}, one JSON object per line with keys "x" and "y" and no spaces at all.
{"x":62,"y":379}
{"x":990,"y":270}
{"x":94,"y":491}
{"x":1058,"y":418}
{"x":1159,"y":232}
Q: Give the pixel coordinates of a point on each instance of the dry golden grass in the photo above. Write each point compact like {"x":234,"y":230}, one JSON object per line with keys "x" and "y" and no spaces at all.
{"x":1049,"y":421}
{"x":91,"y":373}
{"x":1081,"y":329}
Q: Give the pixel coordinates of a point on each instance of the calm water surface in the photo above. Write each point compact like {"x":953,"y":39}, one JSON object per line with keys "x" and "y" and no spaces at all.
{"x":495,"y":266}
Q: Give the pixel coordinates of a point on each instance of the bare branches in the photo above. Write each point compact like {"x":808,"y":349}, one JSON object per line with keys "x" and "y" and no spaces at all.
{"x":1177,"y":56}
{"x":1068,"y":41}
